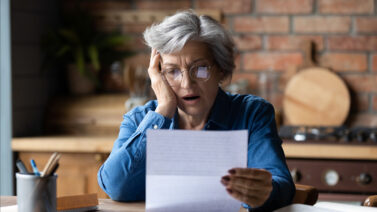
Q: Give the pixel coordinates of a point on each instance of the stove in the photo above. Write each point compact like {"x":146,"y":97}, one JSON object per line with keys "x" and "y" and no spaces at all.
{"x":342,"y":135}
{"x":335,"y":179}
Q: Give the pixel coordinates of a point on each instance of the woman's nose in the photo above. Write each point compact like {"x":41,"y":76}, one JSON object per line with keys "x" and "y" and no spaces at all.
{"x":186,"y":80}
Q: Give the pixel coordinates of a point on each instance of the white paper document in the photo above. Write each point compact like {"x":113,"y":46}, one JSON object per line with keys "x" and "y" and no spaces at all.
{"x":184,"y":169}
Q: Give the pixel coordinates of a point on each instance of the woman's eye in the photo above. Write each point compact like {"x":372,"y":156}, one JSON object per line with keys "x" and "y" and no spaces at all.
{"x":173,"y":72}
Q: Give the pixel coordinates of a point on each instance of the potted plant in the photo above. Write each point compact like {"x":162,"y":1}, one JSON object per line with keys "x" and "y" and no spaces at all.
{"x":82,"y":50}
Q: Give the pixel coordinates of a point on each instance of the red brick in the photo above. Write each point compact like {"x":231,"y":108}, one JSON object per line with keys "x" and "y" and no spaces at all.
{"x":360,"y":102}
{"x":374,"y":62}
{"x":364,"y":119}
{"x":368,"y":25}
{"x":163,"y":4}
{"x":318,"y":24}
{"x":248,"y":42}
{"x":70,"y":5}
{"x":293,"y":42}
{"x":346,"y":6}
{"x":250,"y":77}
{"x":276,"y":99}
{"x":362,"y":43}
{"x":226,"y":6}
{"x":134,"y":28}
{"x":271,"y":61}
{"x":341,"y":62}
{"x":261,"y":24}
{"x":361,"y":83}
{"x":284,"y":6}
{"x":374,"y":102}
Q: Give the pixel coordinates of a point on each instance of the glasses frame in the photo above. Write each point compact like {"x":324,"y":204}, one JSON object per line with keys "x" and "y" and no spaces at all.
{"x":189,"y":72}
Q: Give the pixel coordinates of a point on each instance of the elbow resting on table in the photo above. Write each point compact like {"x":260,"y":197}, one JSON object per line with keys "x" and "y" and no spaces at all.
{"x":120,"y":190}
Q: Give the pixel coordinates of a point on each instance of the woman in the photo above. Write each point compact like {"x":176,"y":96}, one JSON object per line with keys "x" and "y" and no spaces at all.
{"x":190,"y":57}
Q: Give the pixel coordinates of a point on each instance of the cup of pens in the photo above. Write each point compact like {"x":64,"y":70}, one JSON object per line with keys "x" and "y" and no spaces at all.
{"x":36,"y":191}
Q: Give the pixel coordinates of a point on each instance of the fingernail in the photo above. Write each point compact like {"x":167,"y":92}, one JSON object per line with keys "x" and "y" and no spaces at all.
{"x":229,"y":190}
{"x":225,"y":178}
{"x":224,"y":182}
{"x":232,"y":171}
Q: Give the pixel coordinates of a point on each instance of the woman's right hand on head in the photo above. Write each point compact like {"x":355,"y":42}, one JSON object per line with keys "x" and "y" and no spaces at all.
{"x":166,"y":98}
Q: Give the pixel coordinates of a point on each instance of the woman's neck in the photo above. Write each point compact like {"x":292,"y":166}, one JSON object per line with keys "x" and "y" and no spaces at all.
{"x":189,"y":122}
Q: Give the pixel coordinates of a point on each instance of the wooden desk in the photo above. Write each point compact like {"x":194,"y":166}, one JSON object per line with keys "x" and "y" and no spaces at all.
{"x":105,"y":205}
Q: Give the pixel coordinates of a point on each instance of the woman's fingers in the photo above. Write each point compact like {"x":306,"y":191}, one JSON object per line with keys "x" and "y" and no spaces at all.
{"x":153,"y":69}
{"x":248,"y":183}
{"x":253,"y":201}
{"x":258,"y":174}
{"x":252,"y":186}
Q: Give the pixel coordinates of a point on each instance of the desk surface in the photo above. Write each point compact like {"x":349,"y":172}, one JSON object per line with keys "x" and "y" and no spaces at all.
{"x":105,"y":205}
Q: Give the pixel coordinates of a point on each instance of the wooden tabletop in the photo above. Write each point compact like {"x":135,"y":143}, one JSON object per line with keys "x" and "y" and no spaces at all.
{"x":105,"y":205}
{"x":104,"y":144}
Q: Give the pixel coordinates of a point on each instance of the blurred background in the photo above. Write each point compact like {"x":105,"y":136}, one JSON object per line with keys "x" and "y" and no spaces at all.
{"x":76,"y":66}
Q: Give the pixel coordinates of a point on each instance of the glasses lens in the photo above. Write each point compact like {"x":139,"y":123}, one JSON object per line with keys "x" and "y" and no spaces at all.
{"x":200,"y":73}
{"x":173,"y":75}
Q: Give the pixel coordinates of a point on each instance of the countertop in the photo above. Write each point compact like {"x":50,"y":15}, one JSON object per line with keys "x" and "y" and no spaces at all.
{"x":104,"y":144}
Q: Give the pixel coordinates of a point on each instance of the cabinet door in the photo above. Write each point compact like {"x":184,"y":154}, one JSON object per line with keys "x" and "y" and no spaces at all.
{"x":77,"y":173}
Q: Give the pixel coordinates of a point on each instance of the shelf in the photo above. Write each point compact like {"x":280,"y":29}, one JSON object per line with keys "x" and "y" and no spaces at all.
{"x":84,"y":144}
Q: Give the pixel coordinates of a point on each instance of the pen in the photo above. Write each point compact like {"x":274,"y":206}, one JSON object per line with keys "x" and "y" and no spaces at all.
{"x":34,"y":166}
{"x":54,"y":169}
{"x":21,"y":167}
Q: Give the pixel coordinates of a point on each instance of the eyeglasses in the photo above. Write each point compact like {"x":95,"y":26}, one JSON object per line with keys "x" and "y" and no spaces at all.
{"x":198,"y":72}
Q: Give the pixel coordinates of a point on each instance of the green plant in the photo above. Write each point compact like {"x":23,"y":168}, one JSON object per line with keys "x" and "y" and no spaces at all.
{"x":78,"y":42}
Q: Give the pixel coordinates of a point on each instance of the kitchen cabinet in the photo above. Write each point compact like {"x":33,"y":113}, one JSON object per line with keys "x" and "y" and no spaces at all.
{"x":78,"y":166}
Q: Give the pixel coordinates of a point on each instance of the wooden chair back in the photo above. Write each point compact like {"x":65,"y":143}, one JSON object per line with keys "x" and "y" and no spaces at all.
{"x":305,"y":194}
{"x":371,"y":201}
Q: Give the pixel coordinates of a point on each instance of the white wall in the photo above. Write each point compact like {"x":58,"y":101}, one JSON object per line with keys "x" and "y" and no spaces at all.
{"x":6,"y":174}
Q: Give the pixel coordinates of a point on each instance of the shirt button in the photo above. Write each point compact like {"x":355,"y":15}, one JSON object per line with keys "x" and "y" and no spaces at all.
{"x":155,"y":127}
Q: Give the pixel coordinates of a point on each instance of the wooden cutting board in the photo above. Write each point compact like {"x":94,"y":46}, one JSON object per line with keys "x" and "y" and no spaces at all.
{"x":316,"y":96}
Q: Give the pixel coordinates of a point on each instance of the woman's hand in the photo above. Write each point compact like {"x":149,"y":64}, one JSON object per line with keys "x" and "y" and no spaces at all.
{"x":251,"y":186}
{"x":167,"y":101}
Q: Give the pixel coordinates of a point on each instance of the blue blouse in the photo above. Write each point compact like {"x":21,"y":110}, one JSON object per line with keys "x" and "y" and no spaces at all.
{"x":122,"y":176}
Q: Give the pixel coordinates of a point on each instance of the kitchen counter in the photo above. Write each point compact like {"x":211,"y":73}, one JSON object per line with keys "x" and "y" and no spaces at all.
{"x":104,"y":144}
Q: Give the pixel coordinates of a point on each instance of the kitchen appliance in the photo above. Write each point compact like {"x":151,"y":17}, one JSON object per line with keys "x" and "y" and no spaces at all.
{"x":335,"y":179}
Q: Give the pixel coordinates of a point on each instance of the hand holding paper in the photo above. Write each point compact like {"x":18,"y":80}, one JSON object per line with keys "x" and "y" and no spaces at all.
{"x":184,"y":169}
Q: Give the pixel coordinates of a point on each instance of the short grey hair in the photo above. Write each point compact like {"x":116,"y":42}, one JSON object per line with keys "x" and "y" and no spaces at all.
{"x":175,"y":31}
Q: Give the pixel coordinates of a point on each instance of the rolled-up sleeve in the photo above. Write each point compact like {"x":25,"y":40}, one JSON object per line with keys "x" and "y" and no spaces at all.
{"x":265,"y":152}
{"x":122,"y":176}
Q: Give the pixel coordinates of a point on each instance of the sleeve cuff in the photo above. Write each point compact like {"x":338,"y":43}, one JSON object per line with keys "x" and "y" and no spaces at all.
{"x":154,"y":120}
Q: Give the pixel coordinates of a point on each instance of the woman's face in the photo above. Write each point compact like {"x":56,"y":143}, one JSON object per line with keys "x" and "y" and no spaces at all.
{"x":194,"y":97}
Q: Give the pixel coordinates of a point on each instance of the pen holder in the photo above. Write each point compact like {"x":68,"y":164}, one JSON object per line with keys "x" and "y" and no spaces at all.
{"x":35,"y":193}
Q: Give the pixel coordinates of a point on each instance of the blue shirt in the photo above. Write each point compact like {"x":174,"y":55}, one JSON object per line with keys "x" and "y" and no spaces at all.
{"x":122,"y":176}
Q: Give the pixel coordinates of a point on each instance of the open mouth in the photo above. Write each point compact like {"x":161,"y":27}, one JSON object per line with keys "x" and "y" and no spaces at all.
{"x":190,"y":98}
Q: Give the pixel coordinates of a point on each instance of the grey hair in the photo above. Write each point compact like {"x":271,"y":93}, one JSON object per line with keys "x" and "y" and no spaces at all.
{"x":175,"y":31}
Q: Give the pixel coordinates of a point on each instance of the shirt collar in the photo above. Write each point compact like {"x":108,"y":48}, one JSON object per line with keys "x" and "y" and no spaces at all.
{"x":219,"y":115}
{"x":220,"y":112}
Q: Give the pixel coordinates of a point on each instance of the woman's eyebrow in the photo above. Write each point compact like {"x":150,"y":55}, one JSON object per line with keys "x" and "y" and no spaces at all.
{"x":190,"y":64}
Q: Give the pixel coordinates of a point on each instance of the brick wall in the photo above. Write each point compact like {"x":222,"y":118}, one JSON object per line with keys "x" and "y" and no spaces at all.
{"x":268,"y":34}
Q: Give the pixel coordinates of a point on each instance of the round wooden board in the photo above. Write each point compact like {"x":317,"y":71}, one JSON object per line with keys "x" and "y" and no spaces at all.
{"x":316,"y":97}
